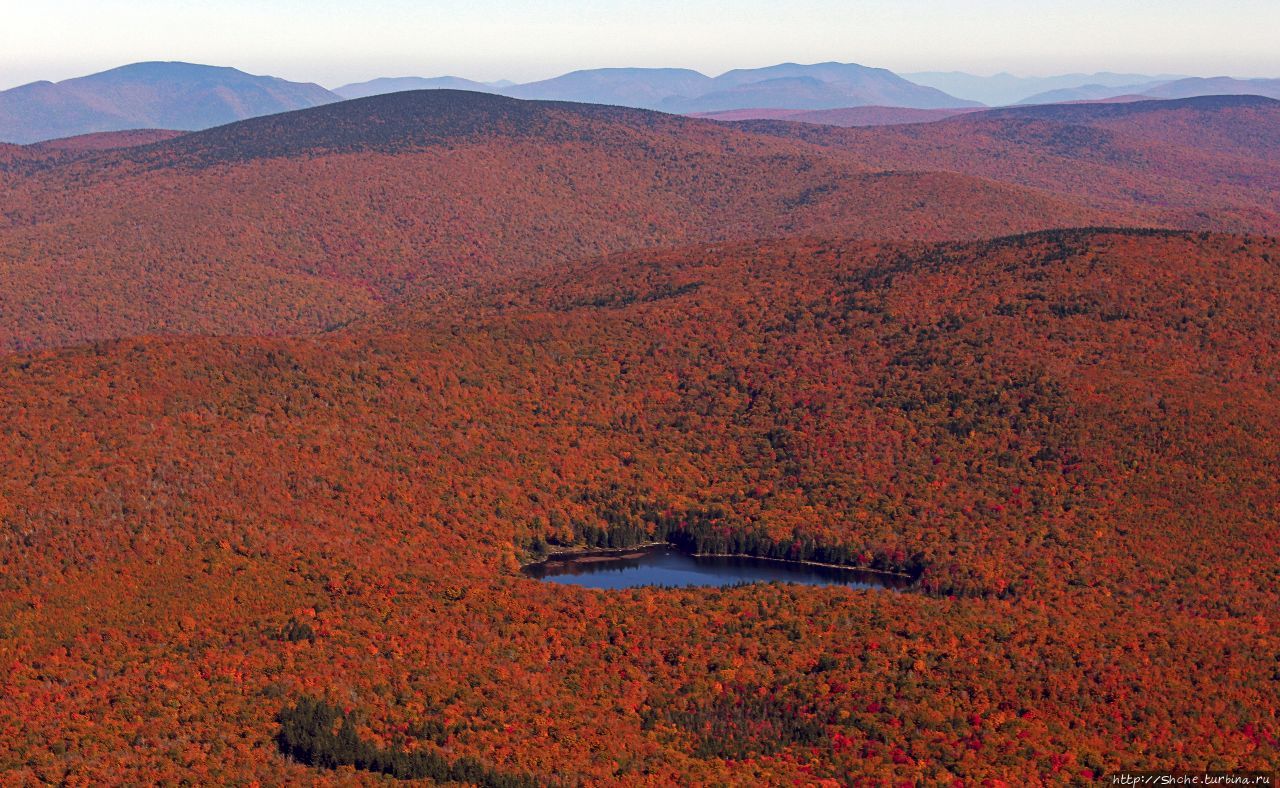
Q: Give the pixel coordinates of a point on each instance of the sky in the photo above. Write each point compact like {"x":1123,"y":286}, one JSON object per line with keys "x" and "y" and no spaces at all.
{"x":334,"y":42}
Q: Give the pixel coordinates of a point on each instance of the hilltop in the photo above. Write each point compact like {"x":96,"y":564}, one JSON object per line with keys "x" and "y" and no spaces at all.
{"x":1189,"y":87}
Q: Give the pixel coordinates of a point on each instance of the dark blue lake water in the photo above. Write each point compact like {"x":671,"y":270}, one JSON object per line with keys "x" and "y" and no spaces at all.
{"x":667,"y":566}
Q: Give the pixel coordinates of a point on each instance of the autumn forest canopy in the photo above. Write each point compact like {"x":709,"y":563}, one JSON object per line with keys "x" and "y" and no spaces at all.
{"x":286,"y":405}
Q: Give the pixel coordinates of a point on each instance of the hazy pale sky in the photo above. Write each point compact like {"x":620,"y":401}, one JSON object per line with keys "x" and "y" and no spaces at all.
{"x":334,"y":42}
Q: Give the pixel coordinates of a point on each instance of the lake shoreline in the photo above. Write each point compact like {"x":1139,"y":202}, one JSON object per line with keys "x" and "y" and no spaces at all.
{"x":613,"y":553}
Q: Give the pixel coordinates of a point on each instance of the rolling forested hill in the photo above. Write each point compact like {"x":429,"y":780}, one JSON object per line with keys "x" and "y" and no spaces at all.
{"x":1058,"y":433}
{"x":1202,"y":163}
{"x":302,"y":221}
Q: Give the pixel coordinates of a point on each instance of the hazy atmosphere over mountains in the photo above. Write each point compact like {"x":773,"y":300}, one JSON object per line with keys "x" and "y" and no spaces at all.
{"x":186,"y":96}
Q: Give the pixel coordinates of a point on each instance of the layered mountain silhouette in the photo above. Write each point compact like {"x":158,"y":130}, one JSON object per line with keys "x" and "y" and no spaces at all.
{"x":1203,"y":162}
{"x":1190,"y":87}
{"x":788,"y":85}
{"x":1215,"y":86}
{"x":1004,"y":88}
{"x":186,"y":96}
{"x":1090,"y":92}
{"x":785,"y":86}
{"x":818,"y":86}
{"x":375,"y":87}
{"x":148,"y":95}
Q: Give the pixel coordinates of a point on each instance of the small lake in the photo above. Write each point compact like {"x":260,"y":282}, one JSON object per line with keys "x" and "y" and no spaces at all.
{"x":668,"y":566}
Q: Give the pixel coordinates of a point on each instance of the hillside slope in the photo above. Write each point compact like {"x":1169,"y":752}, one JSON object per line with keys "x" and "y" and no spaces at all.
{"x":105,"y":140}
{"x":1062,"y":432}
{"x":1208,"y":162}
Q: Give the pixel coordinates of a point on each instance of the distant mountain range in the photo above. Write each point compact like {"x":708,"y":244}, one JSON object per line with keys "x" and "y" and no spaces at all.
{"x":188,"y":97}
{"x":1176,"y":89}
{"x":829,"y":86}
{"x":1089,"y":93}
{"x":182,"y":96}
{"x":1004,"y":88}
{"x":787,"y":85}
{"x":819,"y":86}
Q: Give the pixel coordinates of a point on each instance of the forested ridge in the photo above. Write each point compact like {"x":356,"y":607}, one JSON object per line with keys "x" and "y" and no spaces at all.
{"x":302,"y":222}
{"x":1206,"y":163}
